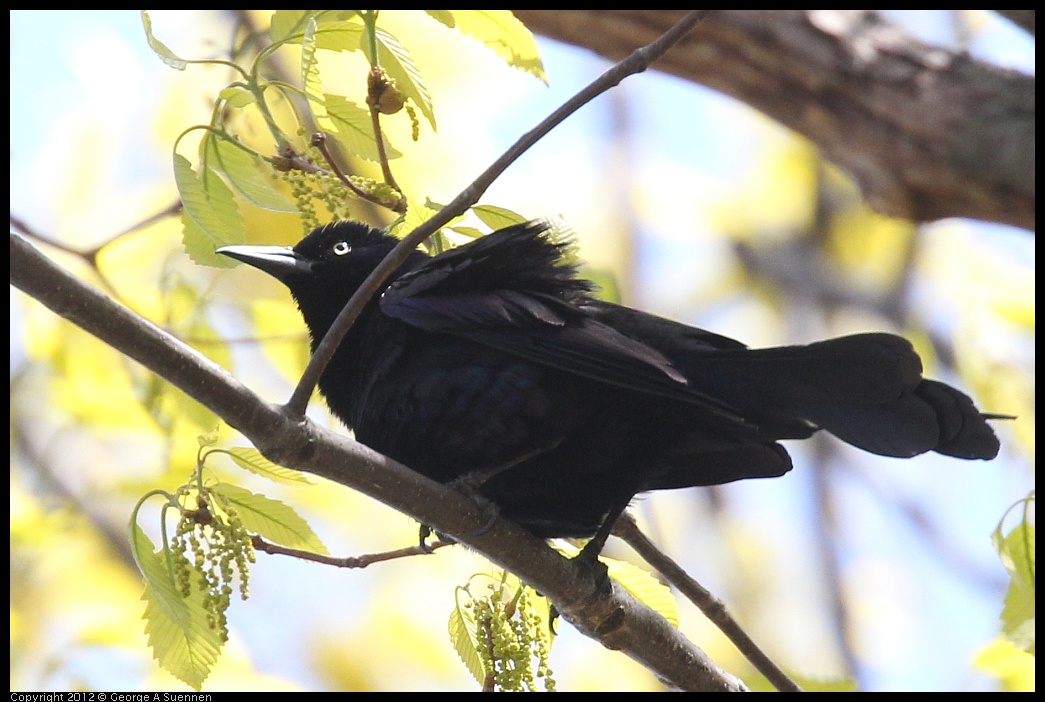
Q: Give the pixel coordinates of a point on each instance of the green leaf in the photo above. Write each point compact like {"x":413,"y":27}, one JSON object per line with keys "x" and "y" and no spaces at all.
{"x":250,"y":459}
{"x":250,"y":175}
{"x":285,"y":23}
{"x":400,"y":66}
{"x":444,"y":17}
{"x":165,"y":54}
{"x":236,"y":96}
{"x":416,"y":215}
{"x":465,"y":639}
{"x":310,"y":78}
{"x":176,"y":627}
{"x":1017,"y":553}
{"x":270,"y":518}
{"x":645,"y":588}
{"x":339,"y":30}
{"x":640,"y":583}
{"x":354,"y":128}
{"x":208,"y":439}
{"x":1016,"y":550}
{"x":209,"y":215}
{"x":338,"y":34}
{"x":501,"y":32}
{"x":497,"y":217}
{"x":470,"y":232}
{"x":344,"y":31}
{"x":1013,"y":668}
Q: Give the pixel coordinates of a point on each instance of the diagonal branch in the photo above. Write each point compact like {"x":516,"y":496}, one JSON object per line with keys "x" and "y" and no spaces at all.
{"x":712,"y":607}
{"x":609,"y":615}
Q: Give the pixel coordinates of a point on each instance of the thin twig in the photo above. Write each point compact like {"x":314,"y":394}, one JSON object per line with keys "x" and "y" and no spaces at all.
{"x":348,"y":561}
{"x":90,"y":256}
{"x":637,"y":62}
{"x":378,"y":84}
{"x":712,"y":607}
{"x":319,"y":140}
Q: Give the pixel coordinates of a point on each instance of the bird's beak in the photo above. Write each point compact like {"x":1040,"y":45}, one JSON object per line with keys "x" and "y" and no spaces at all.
{"x":281,"y":262}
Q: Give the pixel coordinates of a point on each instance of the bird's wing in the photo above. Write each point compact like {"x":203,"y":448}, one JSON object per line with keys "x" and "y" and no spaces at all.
{"x":548,"y":330}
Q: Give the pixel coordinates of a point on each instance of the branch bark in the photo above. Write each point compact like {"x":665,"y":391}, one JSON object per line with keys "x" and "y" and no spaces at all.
{"x":926,"y":132}
{"x":595,"y":605}
{"x":609,"y":615}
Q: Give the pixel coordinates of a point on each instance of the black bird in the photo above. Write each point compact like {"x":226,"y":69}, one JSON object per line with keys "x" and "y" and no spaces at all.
{"x":493,"y":364}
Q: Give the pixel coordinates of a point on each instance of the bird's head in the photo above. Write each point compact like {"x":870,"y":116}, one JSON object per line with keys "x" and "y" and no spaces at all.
{"x":324,"y":269}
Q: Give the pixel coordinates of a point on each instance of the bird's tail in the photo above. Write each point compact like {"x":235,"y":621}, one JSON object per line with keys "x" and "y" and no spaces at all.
{"x":866,"y":389}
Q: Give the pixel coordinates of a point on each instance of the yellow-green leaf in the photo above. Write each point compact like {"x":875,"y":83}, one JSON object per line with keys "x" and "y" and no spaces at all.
{"x":285,"y":23}
{"x":209,"y":215}
{"x":640,"y":583}
{"x":176,"y":627}
{"x":1012,"y":667}
{"x":251,"y":459}
{"x":338,"y":30}
{"x":469,"y":232}
{"x":464,"y":637}
{"x":416,"y":215}
{"x":165,"y":54}
{"x":270,"y":518}
{"x":1017,"y":552}
{"x":497,"y":217}
{"x":285,"y":338}
{"x":208,"y":439}
{"x":645,"y":588}
{"x":400,"y":66}
{"x":248,"y":174}
{"x":310,"y":78}
{"x":354,"y":129}
{"x":499,"y":30}
{"x":236,"y":96}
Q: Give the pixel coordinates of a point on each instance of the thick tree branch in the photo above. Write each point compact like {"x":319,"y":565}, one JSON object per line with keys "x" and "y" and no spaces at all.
{"x":926,"y":132}
{"x":1021,"y":18}
{"x":610,"y":616}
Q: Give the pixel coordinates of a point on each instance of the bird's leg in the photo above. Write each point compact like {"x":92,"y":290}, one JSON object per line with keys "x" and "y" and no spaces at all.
{"x":470,"y":483}
{"x":476,"y":478}
{"x":590,"y":553}
{"x":423,"y":535}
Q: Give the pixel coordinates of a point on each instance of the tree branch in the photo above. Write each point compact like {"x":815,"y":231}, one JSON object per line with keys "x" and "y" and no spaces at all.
{"x":712,"y":607}
{"x":926,"y":132}
{"x":609,"y":615}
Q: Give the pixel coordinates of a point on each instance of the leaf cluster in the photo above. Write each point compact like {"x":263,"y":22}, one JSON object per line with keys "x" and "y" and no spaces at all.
{"x":302,"y":117}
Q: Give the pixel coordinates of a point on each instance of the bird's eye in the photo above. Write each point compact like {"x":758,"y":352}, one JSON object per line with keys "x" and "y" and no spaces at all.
{"x":341,"y":248}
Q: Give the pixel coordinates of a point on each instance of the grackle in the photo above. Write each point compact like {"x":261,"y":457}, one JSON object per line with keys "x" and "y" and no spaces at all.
{"x":492,"y":364}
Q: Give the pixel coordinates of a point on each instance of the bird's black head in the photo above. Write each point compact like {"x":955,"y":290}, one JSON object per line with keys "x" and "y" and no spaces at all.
{"x":324,"y":269}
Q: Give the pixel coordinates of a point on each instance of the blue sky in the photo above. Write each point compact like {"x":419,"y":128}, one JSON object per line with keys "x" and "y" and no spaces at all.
{"x":72,"y":66}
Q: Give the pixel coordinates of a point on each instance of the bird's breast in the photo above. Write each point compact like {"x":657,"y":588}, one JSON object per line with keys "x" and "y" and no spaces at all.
{"x":447,"y":407}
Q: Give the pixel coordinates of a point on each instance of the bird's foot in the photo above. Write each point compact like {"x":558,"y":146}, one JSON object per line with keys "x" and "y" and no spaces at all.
{"x":423,"y":534}
{"x":588,"y":558}
{"x":468,"y":485}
